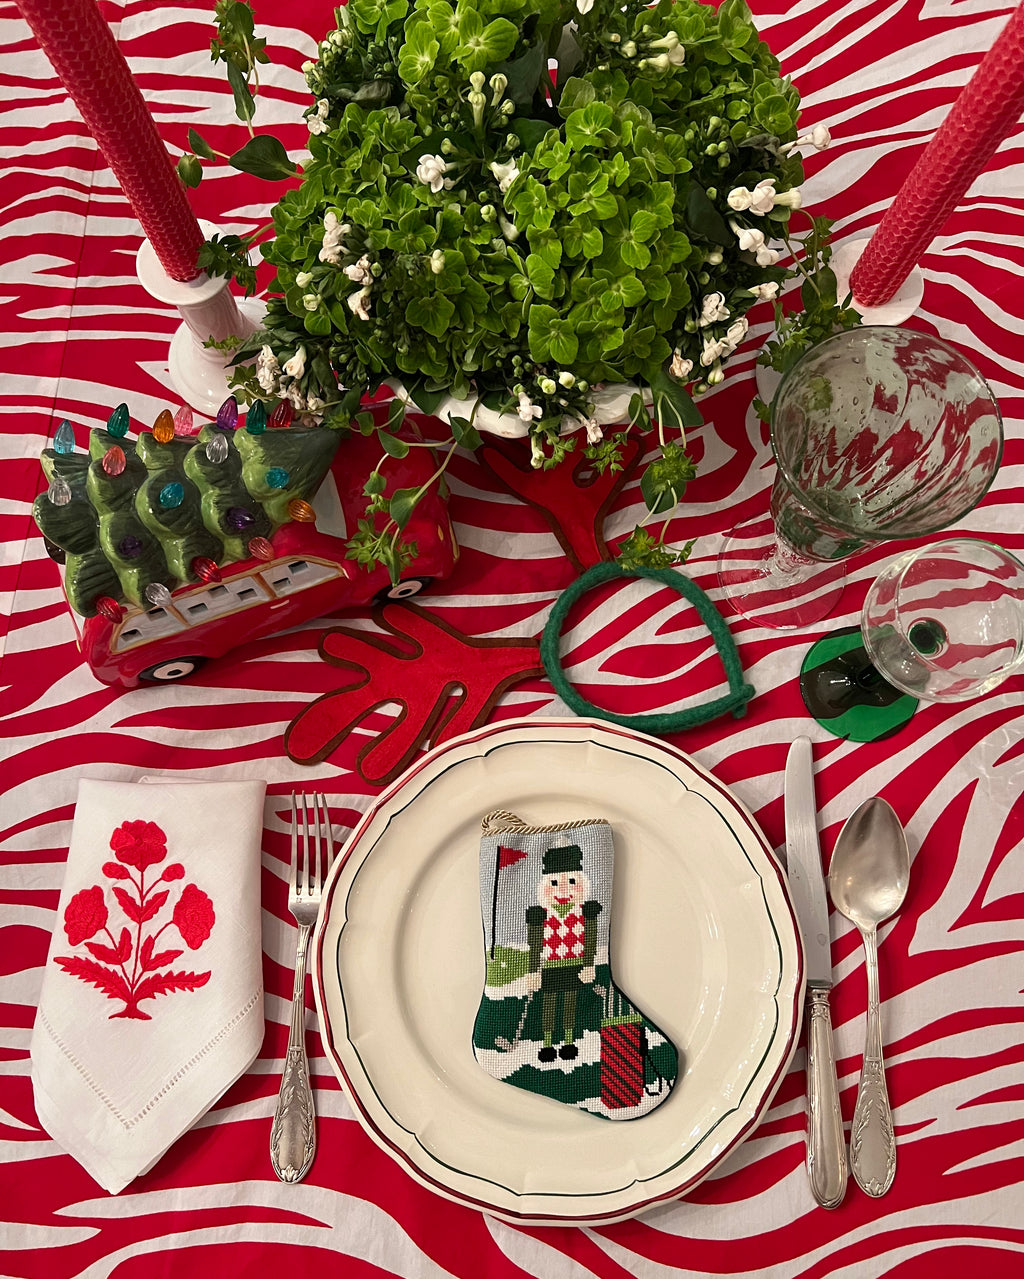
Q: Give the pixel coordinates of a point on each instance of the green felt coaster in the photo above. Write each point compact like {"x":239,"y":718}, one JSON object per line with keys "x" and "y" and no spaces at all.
{"x":846,"y":695}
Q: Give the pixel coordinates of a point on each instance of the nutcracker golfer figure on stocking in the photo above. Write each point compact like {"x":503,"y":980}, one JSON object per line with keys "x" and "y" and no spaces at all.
{"x":552,"y":1021}
{"x":562,"y":935}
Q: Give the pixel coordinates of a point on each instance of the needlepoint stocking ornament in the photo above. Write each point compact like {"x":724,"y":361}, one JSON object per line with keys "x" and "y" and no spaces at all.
{"x":552,"y":1021}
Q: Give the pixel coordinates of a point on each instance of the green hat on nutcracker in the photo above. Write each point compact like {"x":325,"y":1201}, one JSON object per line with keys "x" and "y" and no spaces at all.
{"x":557,"y":860}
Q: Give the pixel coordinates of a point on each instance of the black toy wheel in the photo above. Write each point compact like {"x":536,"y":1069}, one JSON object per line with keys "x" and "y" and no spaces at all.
{"x":403,"y":590}
{"x":174,"y":669}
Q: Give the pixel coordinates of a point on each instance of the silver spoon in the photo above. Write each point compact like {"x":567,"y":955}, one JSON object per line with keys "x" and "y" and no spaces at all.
{"x":868,"y":881}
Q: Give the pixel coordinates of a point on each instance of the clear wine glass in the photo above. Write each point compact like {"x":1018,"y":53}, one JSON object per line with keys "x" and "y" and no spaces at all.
{"x":943,"y":623}
{"x":878,"y":433}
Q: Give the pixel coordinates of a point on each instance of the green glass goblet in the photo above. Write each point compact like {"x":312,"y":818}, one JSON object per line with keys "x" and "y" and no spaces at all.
{"x":878,"y":433}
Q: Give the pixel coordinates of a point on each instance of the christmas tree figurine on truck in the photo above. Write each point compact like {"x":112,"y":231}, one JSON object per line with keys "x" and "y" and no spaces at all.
{"x":165,"y":539}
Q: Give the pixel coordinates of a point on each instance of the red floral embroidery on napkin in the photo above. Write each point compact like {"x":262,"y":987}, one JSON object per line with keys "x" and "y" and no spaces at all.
{"x":126,"y":969}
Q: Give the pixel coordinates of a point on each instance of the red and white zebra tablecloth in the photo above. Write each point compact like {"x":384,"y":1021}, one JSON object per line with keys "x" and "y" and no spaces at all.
{"x":80,"y":335}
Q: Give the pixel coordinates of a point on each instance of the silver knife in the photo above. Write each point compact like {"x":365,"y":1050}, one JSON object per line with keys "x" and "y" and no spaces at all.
{"x":826,"y":1143}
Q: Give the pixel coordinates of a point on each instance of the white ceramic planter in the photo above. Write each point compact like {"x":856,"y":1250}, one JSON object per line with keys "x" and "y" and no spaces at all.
{"x":611,"y":408}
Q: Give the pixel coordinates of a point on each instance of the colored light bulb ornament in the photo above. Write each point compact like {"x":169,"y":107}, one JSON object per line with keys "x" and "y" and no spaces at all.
{"x":163,"y":427}
{"x":205,"y":569}
{"x":130,"y":548}
{"x":217,"y":448}
{"x":172,"y":495}
{"x":184,"y":421}
{"x":59,"y":492}
{"x":114,"y":460}
{"x":301,"y":511}
{"x":109,"y":608}
{"x":64,"y":438}
{"x":227,"y":414}
{"x":157,"y":594}
{"x":119,"y":421}
{"x":277,"y":477}
{"x":260,"y":549}
{"x":256,"y":418}
{"x":281,"y":416}
{"x":239,"y":518}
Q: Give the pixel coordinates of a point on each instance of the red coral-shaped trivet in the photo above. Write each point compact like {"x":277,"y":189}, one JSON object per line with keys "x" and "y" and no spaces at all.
{"x":444,"y":682}
{"x":574,"y":498}
{"x":137,"y":846}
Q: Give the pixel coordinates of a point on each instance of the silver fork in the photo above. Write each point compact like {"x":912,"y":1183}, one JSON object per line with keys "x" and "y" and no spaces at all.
{"x":293,"y":1136}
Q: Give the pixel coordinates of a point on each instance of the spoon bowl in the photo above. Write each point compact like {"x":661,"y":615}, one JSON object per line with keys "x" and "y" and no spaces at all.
{"x":870,"y":867}
{"x":868,"y":881}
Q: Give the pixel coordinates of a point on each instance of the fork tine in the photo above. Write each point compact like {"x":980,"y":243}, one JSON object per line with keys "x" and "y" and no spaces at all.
{"x":328,"y":838}
{"x":294,"y":881}
{"x":312,"y":855}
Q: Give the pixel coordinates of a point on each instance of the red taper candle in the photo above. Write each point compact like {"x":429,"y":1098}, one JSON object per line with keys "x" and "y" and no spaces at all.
{"x":79,"y":44}
{"x":988,"y":107}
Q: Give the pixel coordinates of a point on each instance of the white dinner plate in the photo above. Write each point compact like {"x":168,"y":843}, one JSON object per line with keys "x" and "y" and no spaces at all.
{"x":703,"y":940}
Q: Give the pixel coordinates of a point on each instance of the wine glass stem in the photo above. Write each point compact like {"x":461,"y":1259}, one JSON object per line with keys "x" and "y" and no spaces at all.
{"x":788,"y":562}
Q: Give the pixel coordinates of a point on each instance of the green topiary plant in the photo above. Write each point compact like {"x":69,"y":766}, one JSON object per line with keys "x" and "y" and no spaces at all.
{"x":475,"y":226}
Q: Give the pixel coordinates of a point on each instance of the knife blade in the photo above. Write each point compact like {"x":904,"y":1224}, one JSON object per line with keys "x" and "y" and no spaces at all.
{"x":827,"y":1166}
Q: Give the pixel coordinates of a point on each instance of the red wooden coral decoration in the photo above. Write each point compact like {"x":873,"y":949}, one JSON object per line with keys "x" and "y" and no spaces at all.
{"x":444,"y":682}
{"x":574,"y":498}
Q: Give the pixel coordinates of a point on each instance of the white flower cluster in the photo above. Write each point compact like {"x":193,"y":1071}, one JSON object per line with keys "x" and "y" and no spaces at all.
{"x":713,"y":309}
{"x":334,"y":238}
{"x":753,"y":241}
{"x":505,"y":173}
{"x":527,"y":410}
{"x":819,"y":138}
{"x":680,"y":368}
{"x":762,"y":199}
{"x":317,"y":122}
{"x":431,"y":170}
{"x":268,"y":371}
{"x":271,"y":377}
{"x":358,"y":272}
{"x":716,"y":349}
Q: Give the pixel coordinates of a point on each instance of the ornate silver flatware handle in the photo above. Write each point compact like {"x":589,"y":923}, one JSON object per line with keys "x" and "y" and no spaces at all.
{"x":872,"y":1140}
{"x":293,"y":1135}
{"x":826,"y":1142}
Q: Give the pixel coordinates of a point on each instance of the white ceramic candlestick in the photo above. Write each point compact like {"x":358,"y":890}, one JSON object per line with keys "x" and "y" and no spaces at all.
{"x":198,"y":373}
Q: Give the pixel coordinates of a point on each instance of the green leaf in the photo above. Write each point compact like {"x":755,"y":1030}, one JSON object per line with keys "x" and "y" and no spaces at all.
{"x":245,"y":106}
{"x":264,"y":157}
{"x":402,"y":504}
{"x":392,"y":445}
{"x":465,"y":433}
{"x":190,"y":171}
{"x":658,"y":498}
{"x":644,"y":226}
{"x":199,"y":146}
{"x":480,"y":47}
{"x":433,"y":313}
{"x":524,"y":75}
{"x":564,"y":345}
{"x":673,"y":406}
{"x":704,"y":219}
{"x":375,"y":483}
{"x":530,"y":132}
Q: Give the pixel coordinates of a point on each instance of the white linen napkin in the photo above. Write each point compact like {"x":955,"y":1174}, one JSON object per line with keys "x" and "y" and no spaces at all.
{"x":152,"y":997}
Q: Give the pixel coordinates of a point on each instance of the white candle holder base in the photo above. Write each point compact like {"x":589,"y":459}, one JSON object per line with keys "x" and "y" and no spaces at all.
{"x":897,"y":310}
{"x":199,"y":374}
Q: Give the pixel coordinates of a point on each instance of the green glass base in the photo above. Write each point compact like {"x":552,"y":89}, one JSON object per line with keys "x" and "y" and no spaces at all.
{"x":846,"y":695}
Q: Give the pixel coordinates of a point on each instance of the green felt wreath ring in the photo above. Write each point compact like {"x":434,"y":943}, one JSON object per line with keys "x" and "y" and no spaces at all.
{"x":665,"y":722}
